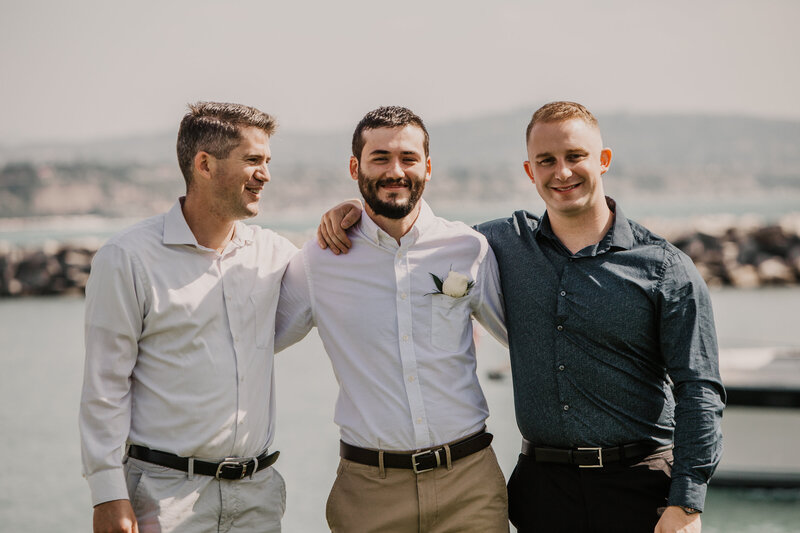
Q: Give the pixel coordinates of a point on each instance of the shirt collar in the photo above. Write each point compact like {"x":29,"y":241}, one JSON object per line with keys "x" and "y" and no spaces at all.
{"x":371,"y":231}
{"x":177,"y":230}
{"x":619,"y":235}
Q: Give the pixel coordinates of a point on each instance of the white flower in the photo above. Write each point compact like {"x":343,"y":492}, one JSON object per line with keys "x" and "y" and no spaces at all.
{"x":455,"y":284}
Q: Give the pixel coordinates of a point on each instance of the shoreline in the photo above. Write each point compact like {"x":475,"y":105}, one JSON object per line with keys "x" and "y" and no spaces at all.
{"x":740,"y":252}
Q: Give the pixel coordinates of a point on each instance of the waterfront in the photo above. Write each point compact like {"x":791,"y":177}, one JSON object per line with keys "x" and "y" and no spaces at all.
{"x":42,"y":352}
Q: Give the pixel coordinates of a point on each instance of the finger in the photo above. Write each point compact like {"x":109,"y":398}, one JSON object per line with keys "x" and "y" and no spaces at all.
{"x":329,"y":241}
{"x":350,"y":218}
{"x":337,"y":237}
{"x":320,"y":239}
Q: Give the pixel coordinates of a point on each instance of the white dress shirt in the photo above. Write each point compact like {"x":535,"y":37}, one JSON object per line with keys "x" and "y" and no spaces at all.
{"x":404,"y":357}
{"x":179,"y":346}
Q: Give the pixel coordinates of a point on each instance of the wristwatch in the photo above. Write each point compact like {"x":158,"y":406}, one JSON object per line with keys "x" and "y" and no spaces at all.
{"x":689,"y":510}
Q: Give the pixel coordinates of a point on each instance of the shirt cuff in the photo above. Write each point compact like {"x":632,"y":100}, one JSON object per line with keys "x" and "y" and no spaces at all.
{"x":688,"y":492}
{"x":108,"y":485}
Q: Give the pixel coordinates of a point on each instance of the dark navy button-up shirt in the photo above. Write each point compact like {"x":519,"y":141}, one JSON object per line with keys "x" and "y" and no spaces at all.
{"x":611,"y":345}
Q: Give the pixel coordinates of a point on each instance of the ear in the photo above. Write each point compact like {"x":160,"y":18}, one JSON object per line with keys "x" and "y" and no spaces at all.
{"x":605,"y":160}
{"x":428,"y":170}
{"x":203,"y":165}
{"x":529,"y":171}
{"x":354,"y":167}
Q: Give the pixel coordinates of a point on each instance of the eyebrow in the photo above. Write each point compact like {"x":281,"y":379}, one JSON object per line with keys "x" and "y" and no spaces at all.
{"x":569,"y":151}
{"x":387,"y":152}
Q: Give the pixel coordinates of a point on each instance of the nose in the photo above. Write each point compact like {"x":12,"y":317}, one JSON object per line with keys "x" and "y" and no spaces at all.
{"x":395,"y":169}
{"x":563,"y":171}
{"x":262,"y":174}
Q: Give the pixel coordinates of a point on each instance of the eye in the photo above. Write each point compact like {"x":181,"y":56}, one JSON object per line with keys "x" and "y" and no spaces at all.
{"x":545,"y":162}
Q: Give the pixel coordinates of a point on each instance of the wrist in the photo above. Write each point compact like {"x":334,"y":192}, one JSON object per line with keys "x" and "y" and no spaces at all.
{"x":689,"y":510}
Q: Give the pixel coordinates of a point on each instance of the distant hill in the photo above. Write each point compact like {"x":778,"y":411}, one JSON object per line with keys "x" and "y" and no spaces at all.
{"x":478,"y":158}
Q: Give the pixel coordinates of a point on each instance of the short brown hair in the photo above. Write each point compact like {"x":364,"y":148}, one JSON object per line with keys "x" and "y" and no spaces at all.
{"x":386,"y":117}
{"x":559,"y":112}
{"x":215,"y":128}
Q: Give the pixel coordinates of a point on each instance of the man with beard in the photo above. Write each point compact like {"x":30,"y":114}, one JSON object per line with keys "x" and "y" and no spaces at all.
{"x":394,"y":316}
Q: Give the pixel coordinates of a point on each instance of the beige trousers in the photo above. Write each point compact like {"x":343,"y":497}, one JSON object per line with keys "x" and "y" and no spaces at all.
{"x":167,"y":501}
{"x":470,"y":496}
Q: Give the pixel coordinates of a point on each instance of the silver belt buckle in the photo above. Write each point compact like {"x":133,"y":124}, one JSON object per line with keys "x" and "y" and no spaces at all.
{"x":599,"y":457}
{"x":414,"y":463}
{"x":231,"y":461}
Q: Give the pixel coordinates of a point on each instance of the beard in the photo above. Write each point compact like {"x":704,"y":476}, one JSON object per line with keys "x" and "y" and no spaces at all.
{"x":392,"y":208}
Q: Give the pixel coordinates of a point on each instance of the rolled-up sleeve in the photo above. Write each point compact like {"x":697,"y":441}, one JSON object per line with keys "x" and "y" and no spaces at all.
{"x":689,"y":347}
{"x":114,"y":311}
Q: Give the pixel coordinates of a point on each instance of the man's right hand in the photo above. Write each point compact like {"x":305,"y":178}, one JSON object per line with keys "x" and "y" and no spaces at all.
{"x":115,"y":516}
{"x":332,"y":233}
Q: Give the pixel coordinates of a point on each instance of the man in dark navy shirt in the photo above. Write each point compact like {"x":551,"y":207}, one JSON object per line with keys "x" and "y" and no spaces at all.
{"x":613,"y":350}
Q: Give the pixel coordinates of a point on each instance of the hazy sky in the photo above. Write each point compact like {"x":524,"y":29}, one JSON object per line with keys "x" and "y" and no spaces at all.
{"x":92,"y":69}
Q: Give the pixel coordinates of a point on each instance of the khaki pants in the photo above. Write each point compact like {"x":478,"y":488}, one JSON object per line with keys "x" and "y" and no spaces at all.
{"x":166,"y":501}
{"x":468,"y":497}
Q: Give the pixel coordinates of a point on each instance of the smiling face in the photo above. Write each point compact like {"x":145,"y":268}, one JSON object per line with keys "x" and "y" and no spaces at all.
{"x":566,"y":161}
{"x":392,"y":171}
{"x":237,"y":180}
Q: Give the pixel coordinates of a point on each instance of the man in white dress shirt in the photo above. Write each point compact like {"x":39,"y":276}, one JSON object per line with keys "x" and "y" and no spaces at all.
{"x":180,"y":312}
{"x":395,"y":316}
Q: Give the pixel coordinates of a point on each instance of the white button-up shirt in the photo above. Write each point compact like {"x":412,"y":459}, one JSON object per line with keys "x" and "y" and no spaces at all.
{"x":404,"y":357}
{"x":179,"y":346}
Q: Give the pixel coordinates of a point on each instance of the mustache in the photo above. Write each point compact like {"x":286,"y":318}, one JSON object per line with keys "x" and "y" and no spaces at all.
{"x":385,"y":182}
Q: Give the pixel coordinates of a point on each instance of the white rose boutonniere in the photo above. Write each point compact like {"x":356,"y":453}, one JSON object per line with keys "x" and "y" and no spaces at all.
{"x":454,"y":285}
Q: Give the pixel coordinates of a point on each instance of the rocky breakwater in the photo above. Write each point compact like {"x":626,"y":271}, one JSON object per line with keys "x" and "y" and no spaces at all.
{"x":741,"y":252}
{"x":51,"y":268}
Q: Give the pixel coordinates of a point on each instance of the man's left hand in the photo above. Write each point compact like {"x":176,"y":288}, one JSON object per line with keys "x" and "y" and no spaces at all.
{"x":675,"y":520}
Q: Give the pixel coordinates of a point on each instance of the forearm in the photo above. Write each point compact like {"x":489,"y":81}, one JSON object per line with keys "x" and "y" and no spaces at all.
{"x":698,"y":441}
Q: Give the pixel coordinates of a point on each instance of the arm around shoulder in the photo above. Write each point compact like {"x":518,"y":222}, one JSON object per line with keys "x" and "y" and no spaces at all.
{"x":490,"y":310}
{"x":294,"y":318}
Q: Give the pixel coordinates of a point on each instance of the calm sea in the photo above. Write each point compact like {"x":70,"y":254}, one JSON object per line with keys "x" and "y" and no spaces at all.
{"x":41,"y":349}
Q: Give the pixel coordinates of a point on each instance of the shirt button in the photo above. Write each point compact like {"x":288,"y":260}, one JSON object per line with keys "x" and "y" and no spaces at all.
{"x":563,"y":293}
{"x":403,"y":296}
{"x":419,"y":421}
{"x":411,"y":379}
{"x":236,"y":339}
{"x":405,"y":338}
{"x":560,"y":327}
{"x":566,"y":407}
{"x":561,"y":367}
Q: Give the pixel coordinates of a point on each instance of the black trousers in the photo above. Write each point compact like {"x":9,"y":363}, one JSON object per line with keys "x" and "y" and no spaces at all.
{"x":618,"y":498}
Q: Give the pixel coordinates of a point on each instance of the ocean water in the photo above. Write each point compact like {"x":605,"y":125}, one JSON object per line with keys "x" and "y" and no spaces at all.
{"x":41,"y":351}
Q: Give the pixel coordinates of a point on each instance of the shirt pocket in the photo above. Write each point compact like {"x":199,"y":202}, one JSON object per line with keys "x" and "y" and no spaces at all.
{"x":264,"y":303}
{"x":449,"y":321}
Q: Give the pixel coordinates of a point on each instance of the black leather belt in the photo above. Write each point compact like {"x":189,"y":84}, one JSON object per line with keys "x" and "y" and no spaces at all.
{"x":418,"y":462}
{"x":591,"y":457}
{"x":229,"y":468}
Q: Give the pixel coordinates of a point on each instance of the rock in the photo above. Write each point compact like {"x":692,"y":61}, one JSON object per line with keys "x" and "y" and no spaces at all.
{"x":776,"y":271}
{"x":744,"y":277}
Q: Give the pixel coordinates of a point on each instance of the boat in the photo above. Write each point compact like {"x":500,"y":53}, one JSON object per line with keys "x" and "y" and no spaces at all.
{"x":761,"y":422}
